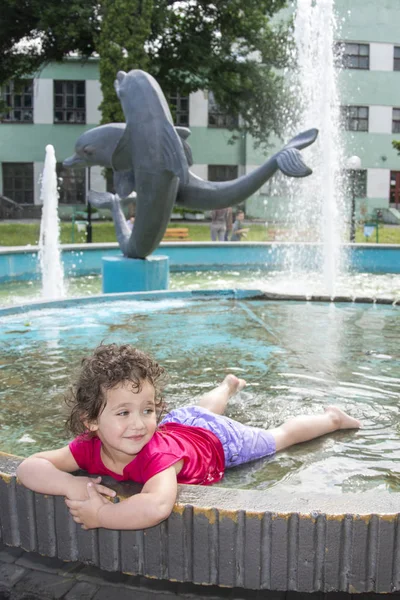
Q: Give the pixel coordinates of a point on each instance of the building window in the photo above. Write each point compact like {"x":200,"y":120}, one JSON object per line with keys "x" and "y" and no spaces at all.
{"x":218,"y":118}
{"x":18,"y":182}
{"x":355,"y":118}
{"x":69,"y":102}
{"x":394,"y":193}
{"x":180,"y":109}
{"x":71,"y":185}
{"x":222,"y":172}
{"x":396,"y":58}
{"x":18,"y":99}
{"x":396,"y":120}
{"x":353,"y":56}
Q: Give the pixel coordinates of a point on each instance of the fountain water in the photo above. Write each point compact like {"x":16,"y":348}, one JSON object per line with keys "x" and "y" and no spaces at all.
{"x":49,"y":243}
{"x":316,"y":204}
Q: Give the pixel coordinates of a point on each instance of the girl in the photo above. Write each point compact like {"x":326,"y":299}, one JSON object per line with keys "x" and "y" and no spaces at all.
{"x":115,"y":405}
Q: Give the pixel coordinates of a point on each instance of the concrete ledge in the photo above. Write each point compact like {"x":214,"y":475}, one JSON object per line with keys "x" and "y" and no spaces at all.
{"x":230,"y":538}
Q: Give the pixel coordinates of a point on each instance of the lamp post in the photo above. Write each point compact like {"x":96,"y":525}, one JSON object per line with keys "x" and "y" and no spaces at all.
{"x":89,"y":213}
{"x":353,"y":164}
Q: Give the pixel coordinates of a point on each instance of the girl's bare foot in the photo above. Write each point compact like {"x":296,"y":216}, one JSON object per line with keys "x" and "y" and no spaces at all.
{"x":234,"y":384}
{"x":341,"y":419}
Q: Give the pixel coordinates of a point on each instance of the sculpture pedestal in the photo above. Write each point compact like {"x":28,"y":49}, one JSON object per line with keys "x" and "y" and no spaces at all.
{"x":121,"y":274}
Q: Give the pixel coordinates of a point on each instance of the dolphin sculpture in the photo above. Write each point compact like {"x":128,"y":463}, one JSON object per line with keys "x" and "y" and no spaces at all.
{"x":152,"y":157}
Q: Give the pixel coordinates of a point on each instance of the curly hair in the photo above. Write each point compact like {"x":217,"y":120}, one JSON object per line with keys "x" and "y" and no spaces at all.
{"x":109,"y":366}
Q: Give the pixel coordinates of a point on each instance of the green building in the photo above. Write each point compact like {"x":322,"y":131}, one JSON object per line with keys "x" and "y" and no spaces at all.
{"x":62,"y":101}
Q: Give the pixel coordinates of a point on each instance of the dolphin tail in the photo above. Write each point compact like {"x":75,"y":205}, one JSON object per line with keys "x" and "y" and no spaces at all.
{"x":290,"y":162}
{"x":304,"y":139}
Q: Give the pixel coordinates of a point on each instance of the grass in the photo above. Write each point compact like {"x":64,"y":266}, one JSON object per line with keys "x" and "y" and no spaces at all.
{"x":22,"y":234}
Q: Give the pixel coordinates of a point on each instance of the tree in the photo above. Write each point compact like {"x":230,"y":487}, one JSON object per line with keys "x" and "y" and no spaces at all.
{"x":396,"y":145}
{"x":126,"y":27}
{"x":35,"y":32}
{"x":227,"y":46}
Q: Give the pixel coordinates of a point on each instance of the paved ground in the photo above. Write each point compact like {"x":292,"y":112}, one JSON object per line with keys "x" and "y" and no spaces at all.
{"x":29,"y":576}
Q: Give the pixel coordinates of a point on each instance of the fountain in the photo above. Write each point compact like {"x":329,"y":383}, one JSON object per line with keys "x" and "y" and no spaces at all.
{"x":282,"y":534}
{"x":317,"y":205}
{"x":49,"y":242}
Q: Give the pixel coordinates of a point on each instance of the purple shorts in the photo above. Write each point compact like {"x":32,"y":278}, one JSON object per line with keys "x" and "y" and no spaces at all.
{"x":241,"y":443}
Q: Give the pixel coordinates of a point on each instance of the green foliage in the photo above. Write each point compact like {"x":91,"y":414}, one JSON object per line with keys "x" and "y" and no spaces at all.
{"x":62,"y":27}
{"x":126,"y":25}
{"x":396,"y":145}
{"x":21,"y":234}
{"x":227,"y":46}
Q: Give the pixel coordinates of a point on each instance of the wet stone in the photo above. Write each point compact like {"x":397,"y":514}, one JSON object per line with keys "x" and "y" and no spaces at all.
{"x":9,"y":576}
{"x":108,"y":592}
{"x":99,"y":577}
{"x":9,"y":554}
{"x":31,"y":560}
{"x":83,"y":591}
{"x":45,"y":586}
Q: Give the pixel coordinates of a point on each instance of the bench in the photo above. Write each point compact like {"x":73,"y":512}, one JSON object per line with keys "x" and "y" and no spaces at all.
{"x":279,"y":235}
{"x":176,"y":233}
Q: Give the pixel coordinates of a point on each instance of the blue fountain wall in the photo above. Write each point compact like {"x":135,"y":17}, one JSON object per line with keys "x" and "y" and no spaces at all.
{"x":21,"y":263}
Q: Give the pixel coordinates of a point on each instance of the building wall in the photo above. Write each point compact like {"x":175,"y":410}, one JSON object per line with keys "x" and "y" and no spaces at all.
{"x":27,"y":142}
{"x":363,"y":21}
{"x":376,"y":23}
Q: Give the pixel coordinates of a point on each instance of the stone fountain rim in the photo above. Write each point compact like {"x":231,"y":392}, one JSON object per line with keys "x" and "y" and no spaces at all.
{"x":233,"y":294}
{"x":231,"y":501}
{"x":273,"y":244}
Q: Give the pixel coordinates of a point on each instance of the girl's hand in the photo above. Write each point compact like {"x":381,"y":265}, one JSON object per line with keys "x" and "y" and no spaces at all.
{"x":78,"y":489}
{"x":86,"y":512}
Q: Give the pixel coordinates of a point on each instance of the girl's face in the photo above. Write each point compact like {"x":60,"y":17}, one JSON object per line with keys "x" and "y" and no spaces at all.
{"x":128,"y":421}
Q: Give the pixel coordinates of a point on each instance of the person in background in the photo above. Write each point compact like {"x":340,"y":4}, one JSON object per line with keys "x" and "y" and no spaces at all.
{"x":130,"y":222}
{"x":218,"y":224}
{"x":238,"y":231}
{"x":229,"y":223}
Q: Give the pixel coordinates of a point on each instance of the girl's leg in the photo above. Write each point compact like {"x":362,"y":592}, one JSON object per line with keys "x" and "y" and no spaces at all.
{"x":217,"y":399}
{"x":304,"y":428}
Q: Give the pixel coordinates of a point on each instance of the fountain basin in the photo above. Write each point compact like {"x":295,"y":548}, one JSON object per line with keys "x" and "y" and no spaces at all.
{"x":20,"y":263}
{"x":268,"y":539}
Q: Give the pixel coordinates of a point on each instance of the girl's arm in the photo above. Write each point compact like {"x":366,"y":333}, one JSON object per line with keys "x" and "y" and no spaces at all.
{"x":50,"y":473}
{"x":150,"y":507}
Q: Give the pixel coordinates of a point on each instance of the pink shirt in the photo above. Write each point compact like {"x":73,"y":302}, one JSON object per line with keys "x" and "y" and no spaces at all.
{"x":201,"y":450}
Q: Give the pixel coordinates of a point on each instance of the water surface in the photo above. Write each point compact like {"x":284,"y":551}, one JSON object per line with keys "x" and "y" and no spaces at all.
{"x":308,"y":284}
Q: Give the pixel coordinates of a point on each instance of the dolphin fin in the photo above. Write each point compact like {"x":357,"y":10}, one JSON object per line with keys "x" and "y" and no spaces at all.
{"x":121,"y":159}
{"x":173,"y":153}
{"x":100,"y":199}
{"x":184,"y":133}
{"x":291,"y":163}
{"x":124,"y":183}
{"x":304,"y":139}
